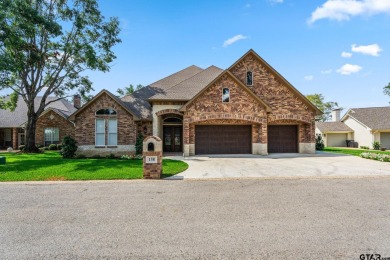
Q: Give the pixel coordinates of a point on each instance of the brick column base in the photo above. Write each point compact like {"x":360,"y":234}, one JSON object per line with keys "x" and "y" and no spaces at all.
{"x":15,"y":138}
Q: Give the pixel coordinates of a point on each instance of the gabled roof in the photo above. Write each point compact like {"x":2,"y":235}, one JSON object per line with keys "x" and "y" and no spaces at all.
{"x":188,"y":88}
{"x":176,"y":78}
{"x":239,"y":83}
{"x":18,"y":117}
{"x":325,"y":127}
{"x":124,"y":105}
{"x":279,"y":77}
{"x":375,"y":118}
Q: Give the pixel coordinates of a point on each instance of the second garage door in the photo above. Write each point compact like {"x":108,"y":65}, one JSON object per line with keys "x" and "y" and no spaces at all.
{"x":282,"y":139}
{"x":223,"y":139}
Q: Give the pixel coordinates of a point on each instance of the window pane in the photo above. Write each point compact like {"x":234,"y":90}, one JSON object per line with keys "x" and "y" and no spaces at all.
{"x":106,"y":111}
{"x":56,"y":134}
{"x":100,"y":139}
{"x":100,"y":126}
{"x":112,"y":126}
{"x":249,"y":78}
{"x":52,"y":135}
{"x":112,"y":139}
{"x":225,"y":95}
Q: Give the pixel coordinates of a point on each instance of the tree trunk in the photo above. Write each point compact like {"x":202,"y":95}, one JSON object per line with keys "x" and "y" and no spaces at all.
{"x":30,"y":146}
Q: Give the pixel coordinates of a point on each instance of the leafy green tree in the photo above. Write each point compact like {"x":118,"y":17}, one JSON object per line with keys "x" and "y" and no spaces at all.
{"x":386,"y":89}
{"x":68,"y":148}
{"x":326,"y":107}
{"x":45,"y":45}
{"x":126,"y":90}
{"x":139,"y":86}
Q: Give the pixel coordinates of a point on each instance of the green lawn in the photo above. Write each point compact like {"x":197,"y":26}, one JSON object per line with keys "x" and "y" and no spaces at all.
{"x":50,"y":166}
{"x":351,"y":151}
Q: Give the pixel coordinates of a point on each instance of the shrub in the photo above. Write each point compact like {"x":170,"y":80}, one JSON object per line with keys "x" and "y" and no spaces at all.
{"x":376,"y":145}
{"x":139,"y":143}
{"x":59,"y":146}
{"x":319,"y":143}
{"x":69,"y":147}
{"x":52,"y":147}
{"x":45,"y":148}
{"x":376,"y":156}
{"x":364,"y":147}
{"x":39,"y":146}
{"x":21,"y":147}
{"x":132,"y":157}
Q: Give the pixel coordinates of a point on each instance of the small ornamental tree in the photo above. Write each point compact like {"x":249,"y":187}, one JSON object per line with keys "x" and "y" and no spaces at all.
{"x":139,"y":143}
{"x":69,"y":147}
{"x":319,"y":143}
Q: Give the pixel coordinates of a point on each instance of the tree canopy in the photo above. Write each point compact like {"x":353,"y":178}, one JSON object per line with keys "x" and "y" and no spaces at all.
{"x":386,"y":89}
{"x":128,"y":90}
{"x":319,"y":101}
{"x":46,"y":45}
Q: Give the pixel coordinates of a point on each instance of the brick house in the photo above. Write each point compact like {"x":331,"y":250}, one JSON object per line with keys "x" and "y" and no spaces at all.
{"x":248,"y":108}
{"x":52,"y":125}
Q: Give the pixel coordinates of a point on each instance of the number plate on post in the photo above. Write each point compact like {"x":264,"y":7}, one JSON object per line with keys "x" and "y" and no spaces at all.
{"x":151,"y":159}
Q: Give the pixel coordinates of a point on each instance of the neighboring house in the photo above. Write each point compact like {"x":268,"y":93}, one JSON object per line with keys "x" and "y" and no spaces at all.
{"x":335,"y":133}
{"x":248,"y":108}
{"x":52,"y":125}
{"x":369,"y":124}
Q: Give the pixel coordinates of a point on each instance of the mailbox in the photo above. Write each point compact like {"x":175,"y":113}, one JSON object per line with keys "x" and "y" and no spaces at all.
{"x":152,"y":157}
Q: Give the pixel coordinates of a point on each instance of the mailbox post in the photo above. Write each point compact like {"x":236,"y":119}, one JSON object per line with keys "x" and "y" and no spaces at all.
{"x":152,"y":157}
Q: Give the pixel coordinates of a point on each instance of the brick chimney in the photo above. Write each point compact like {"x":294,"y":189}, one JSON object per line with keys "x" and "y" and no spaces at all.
{"x":77,"y":101}
{"x":336,"y":115}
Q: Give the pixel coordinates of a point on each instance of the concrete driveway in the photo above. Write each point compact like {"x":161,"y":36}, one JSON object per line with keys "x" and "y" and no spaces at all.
{"x":280,"y":165}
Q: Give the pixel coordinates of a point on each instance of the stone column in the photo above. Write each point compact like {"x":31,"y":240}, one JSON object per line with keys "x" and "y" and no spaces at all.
{"x":15,"y":138}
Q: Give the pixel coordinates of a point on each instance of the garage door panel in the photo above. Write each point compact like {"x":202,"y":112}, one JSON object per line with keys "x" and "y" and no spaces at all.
{"x":282,"y":139}
{"x":336,"y":140}
{"x":223,"y":139}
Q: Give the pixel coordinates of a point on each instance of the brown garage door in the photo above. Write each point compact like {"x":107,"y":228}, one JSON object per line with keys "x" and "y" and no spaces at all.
{"x":223,"y":139}
{"x":282,"y":139}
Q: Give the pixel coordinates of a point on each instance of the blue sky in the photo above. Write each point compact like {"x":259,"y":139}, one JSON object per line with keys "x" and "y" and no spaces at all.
{"x":302,"y":39}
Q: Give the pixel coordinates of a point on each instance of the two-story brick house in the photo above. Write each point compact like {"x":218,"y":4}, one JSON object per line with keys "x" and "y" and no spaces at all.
{"x":248,"y":108}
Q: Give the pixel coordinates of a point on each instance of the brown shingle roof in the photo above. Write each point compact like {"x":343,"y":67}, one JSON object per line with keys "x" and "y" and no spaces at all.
{"x":176,"y":78}
{"x":325,"y":127}
{"x":19,"y":116}
{"x":376,"y":118}
{"x":188,"y":88}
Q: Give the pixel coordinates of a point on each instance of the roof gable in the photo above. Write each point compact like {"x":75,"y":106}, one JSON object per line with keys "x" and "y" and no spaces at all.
{"x":116,"y":99}
{"x":375,"y":118}
{"x":239,"y":83}
{"x":325,"y":127}
{"x":279,"y":77}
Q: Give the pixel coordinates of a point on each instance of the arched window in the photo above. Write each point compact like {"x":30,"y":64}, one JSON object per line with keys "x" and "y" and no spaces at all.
{"x":106,"y":111}
{"x":249,"y":78}
{"x":173,"y":120}
{"x":225,"y":95}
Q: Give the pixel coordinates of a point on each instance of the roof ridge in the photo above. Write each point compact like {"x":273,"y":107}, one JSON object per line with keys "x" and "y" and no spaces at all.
{"x":176,"y":73}
{"x":369,"y":107}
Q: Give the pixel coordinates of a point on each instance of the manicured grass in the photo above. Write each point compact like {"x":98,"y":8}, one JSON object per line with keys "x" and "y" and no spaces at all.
{"x":350,"y":151}
{"x":51,"y":166}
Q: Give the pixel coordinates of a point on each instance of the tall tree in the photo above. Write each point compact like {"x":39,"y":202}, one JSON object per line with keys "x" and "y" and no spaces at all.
{"x":126,"y":90}
{"x":386,"y":89}
{"x":326,"y":107}
{"x":45,"y":45}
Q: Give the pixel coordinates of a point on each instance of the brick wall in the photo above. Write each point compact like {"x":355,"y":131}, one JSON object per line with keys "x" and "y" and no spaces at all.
{"x":85,"y":122}
{"x":52,"y":119}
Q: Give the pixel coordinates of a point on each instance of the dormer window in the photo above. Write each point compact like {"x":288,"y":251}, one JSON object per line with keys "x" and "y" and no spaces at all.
{"x":225,"y":95}
{"x":249,"y":78}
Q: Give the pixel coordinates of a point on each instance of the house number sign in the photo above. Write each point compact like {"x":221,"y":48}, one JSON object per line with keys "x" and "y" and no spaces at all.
{"x":151,"y":159}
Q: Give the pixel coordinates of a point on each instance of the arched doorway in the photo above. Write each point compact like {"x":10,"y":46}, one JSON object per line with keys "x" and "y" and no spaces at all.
{"x":172,"y":133}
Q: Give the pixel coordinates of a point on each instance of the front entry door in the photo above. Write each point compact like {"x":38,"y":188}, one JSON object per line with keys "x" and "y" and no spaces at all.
{"x":21,"y":137}
{"x":173,"y":138}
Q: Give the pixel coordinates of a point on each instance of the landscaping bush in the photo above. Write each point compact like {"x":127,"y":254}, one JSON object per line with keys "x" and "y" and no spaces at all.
{"x":59,"y":146}
{"x":319,"y":143}
{"x":139,"y":143}
{"x":376,"y":145}
{"x":69,"y":147}
{"x":376,"y":156}
{"x":52,"y":147}
{"x":21,"y":147}
{"x":364,"y":147}
{"x":45,"y":148}
{"x":132,"y":157}
{"x":39,"y":146}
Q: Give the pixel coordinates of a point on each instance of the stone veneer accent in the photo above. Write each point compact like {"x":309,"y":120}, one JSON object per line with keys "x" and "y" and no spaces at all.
{"x":85,"y":128}
{"x":53,"y":119}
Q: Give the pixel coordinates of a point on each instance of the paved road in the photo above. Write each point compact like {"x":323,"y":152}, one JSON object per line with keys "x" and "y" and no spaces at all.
{"x":280,"y":165}
{"x":236,"y":219}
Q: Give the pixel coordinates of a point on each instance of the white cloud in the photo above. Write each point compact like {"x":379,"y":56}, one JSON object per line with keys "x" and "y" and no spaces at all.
{"x":233,"y":40}
{"x":308,"y":77}
{"x":326,"y":71}
{"x":348,"y":69}
{"x":345,"y":54}
{"x":340,"y":10}
{"x":372,"y":49}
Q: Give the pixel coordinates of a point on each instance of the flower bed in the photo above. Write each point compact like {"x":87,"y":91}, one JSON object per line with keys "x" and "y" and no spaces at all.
{"x":376,"y":156}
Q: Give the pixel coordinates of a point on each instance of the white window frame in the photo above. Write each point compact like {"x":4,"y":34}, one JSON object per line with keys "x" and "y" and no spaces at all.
{"x":104,"y":132}
{"x":246,"y":77}
{"x":54,"y":135}
{"x":109,"y":133}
